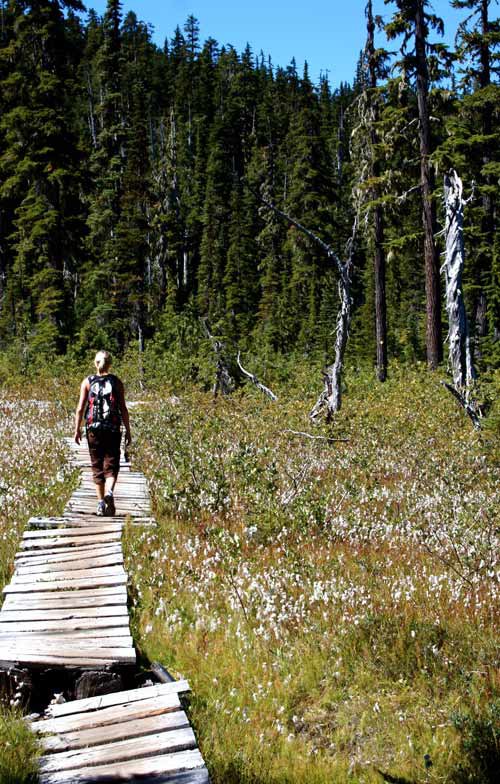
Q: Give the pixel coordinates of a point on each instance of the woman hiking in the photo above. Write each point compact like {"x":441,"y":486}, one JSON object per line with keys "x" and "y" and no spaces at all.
{"x":102,"y":398}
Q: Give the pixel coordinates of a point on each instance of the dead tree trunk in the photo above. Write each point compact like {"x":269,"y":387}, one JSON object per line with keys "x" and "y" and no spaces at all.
{"x":331,"y":397}
{"x":224,"y":381}
{"x":330,"y":400}
{"x":460,"y":357}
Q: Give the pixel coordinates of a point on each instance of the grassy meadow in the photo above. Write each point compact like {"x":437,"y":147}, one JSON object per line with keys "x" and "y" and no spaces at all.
{"x":34,"y":479}
{"x":334,"y":605}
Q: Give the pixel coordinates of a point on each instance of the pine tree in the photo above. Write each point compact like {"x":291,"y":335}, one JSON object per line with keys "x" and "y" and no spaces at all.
{"x":369,"y":187}
{"x":132,"y":248}
{"x":308,"y":198}
{"x":413,"y":22}
{"x":97,"y":312}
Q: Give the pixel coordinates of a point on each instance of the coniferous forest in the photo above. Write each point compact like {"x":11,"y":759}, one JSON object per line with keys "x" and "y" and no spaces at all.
{"x":136,"y":183}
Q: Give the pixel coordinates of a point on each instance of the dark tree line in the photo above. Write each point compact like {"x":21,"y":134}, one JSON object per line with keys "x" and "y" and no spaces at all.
{"x":132,"y":177}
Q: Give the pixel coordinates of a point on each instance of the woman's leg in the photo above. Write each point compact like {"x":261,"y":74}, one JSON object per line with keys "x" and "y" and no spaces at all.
{"x":111,"y":468}
{"x":97,"y":462}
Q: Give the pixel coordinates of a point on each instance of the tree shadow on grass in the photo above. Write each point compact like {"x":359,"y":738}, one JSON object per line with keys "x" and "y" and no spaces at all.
{"x":394,"y":779}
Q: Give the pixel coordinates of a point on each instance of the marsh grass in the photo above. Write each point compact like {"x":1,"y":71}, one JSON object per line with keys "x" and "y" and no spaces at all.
{"x":333,"y":606}
{"x":19,"y":749}
{"x":35,"y":479}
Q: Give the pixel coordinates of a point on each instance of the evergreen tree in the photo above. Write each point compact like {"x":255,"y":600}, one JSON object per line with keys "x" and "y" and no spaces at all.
{"x":370,"y":173}
{"x":40,"y":162}
{"x":98,"y":305}
{"x":413,"y":22}
{"x":132,"y":248}
{"x":308,"y":197}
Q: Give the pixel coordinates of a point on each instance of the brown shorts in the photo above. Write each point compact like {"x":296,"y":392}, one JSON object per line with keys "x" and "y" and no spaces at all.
{"x":104,"y":450}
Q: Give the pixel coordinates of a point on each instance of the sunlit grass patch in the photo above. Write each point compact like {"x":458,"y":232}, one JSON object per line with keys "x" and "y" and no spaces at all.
{"x":35,"y":479}
{"x":332,"y":605}
{"x":18,"y":749}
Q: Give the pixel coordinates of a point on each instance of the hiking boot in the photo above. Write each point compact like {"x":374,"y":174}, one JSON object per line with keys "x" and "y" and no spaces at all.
{"x":110,"y":504}
{"x":101,"y":509}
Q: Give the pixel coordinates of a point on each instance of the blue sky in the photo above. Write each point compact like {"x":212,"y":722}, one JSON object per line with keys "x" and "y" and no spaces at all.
{"x":329,"y":34}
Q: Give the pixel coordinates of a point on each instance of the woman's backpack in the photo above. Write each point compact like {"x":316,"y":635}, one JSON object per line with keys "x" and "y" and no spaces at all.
{"x":103,"y":410}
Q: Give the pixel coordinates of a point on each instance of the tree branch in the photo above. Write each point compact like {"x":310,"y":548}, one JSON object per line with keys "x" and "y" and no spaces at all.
{"x":253,"y":378}
{"x":303,"y":434}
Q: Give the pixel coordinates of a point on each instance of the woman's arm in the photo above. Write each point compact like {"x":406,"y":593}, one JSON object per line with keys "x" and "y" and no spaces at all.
{"x":80,"y":409}
{"x":124,"y":413}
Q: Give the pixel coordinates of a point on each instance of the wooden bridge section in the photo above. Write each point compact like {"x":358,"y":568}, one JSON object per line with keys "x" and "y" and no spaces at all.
{"x":139,"y":735}
{"x":66,"y":606}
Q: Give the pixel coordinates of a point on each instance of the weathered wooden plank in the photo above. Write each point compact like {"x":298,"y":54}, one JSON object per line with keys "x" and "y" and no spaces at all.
{"x":50,"y":533}
{"x":79,"y":521}
{"x":146,"y":746}
{"x":131,"y":519}
{"x":113,"y":732}
{"x":114,"y":610}
{"x":119,"y":698}
{"x":22,"y":576}
{"x":122,"y":511}
{"x":103,"y":636}
{"x":113,"y":593}
{"x":165,"y":703}
{"x":92,"y":558}
{"x":126,"y":479}
{"x":124,"y":488}
{"x":86,"y":464}
{"x":82,"y":546}
{"x":14,"y":651}
{"x":89,"y":582}
{"x":198,"y":776}
{"x":165,"y":763}
{"x":105,"y":561}
{"x":43,"y":659}
{"x":68,"y":541}
{"x":79,"y":551}
{"x":35,"y":602}
{"x":126,"y":475}
{"x":74,"y":623}
{"x":30,"y":641}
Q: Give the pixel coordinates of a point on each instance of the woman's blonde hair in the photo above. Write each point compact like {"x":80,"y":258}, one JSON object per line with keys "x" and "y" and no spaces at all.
{"x":102,"y":360}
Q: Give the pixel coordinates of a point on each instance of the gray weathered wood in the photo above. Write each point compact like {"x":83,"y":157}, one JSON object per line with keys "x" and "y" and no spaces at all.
{"x":74,"y":623}
{"x":69,"y":561}
{"x":105,"y":753}
{"x":27,"y":576}
{"x":66,"y":651}
{"x":119,"y":698}
{"x":80,"y":739}
{"x":93,"y":530}
{"x":114,"y":637}
{"x":69,"y":541}
{"x":112,"y":592}
{"x":17,"y":615}
{"x":112,"y":715}
{"x":83,"y":582}
{"x":165,"y":763}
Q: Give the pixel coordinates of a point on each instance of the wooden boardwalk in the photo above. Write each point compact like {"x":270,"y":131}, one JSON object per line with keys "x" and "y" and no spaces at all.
{"x":141,"y":735}
{"x":66,"y":606}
